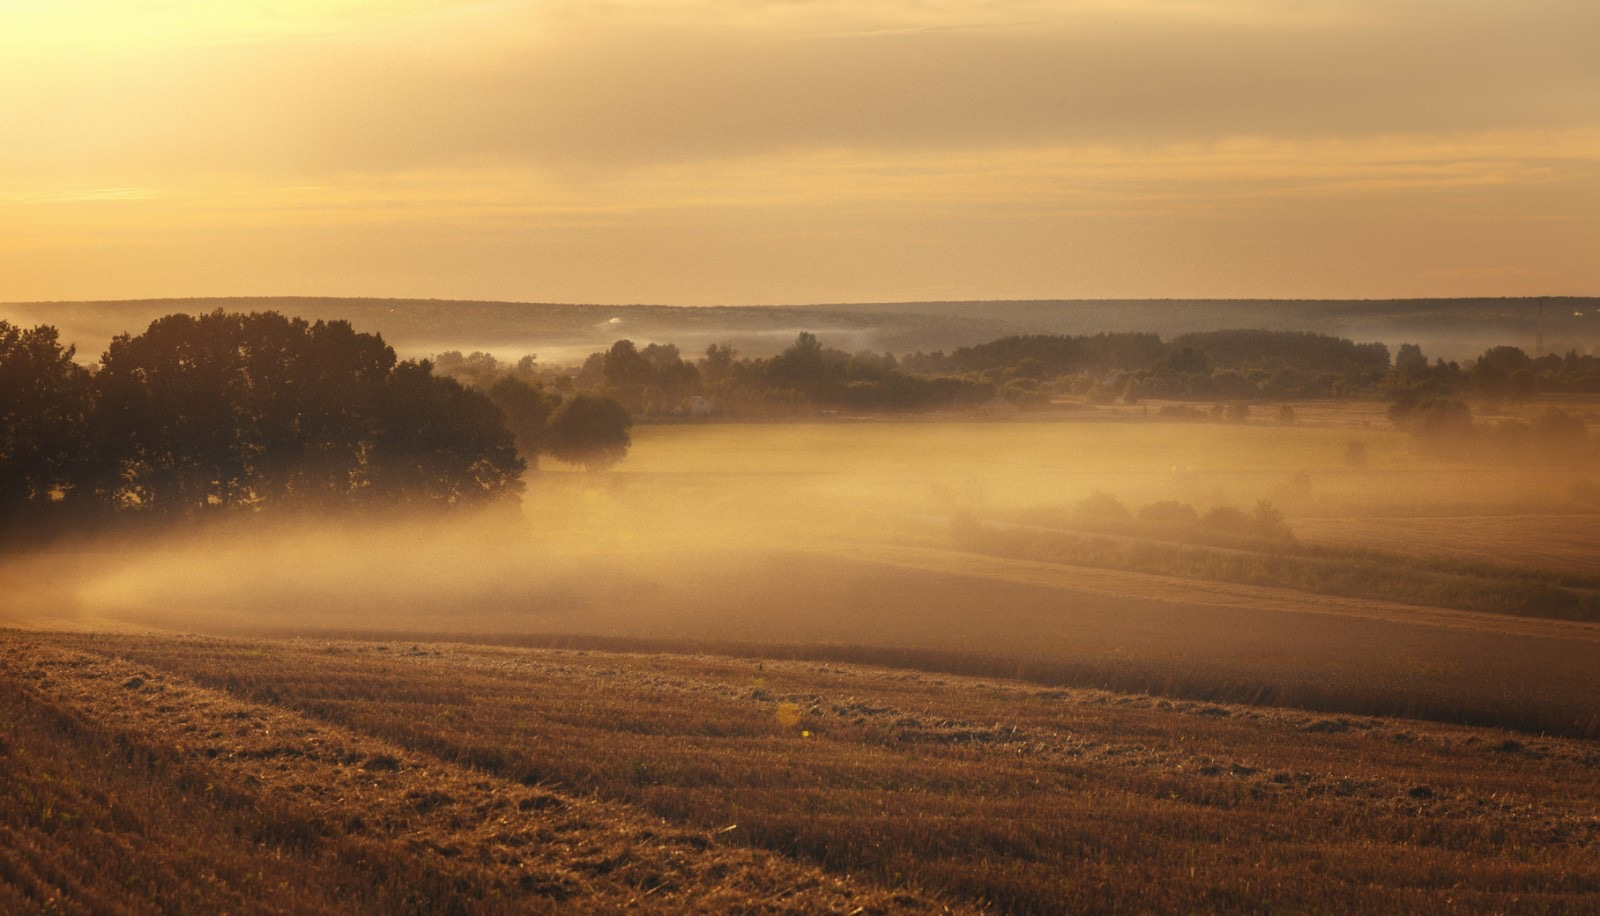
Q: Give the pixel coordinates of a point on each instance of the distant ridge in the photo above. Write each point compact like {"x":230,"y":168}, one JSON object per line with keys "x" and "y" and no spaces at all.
{"x":566,"y":332}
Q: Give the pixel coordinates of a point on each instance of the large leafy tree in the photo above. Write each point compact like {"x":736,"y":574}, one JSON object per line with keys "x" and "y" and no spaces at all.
{"x":168,"y":414}
{"x":438,"y":442}
{"x":527,"y":410}
{"x":245,"y":411}
{"x":44,"y":409}
{"x":590,"y":431}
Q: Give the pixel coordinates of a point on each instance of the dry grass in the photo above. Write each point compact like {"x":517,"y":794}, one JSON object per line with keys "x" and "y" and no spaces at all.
{"x":986,"y":793}
{"x":136,"y":788}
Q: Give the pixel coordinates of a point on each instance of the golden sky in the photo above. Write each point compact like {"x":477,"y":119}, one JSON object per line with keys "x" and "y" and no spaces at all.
{"x":787,"y":151}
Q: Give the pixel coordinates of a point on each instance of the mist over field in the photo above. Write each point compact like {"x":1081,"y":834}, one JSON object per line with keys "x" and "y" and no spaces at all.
{"x":847,"y":537}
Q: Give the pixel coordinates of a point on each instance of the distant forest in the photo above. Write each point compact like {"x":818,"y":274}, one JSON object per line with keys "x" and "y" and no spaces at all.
{"x":1034,"y":372}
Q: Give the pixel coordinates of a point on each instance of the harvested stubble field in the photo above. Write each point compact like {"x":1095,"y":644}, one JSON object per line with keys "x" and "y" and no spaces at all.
{"x":148,"y":772}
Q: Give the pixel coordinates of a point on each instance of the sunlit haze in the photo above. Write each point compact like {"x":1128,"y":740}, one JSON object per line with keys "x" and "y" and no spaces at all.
{"x":739,"y":151}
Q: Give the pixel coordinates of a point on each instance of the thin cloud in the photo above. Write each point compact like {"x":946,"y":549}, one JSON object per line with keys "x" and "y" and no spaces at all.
{"x":727,"y":150}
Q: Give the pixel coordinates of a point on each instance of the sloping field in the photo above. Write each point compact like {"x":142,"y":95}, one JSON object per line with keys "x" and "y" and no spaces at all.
{"x":168,"y":773}
{"x":1567,"y":543}
{"x":132,"y":787}
{"x":866,"y":601}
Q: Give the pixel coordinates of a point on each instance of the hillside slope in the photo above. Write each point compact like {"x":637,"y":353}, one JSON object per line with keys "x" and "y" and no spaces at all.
{"x":190,"y":773}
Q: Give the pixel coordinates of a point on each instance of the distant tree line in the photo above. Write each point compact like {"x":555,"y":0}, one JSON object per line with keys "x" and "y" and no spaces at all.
{"x":1229,"y":368}
{"x":1501,"y":373}
{"x":657,"y":381}
{"x":201,"y":415}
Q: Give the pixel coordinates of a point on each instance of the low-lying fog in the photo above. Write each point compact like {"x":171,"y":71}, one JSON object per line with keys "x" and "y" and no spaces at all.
{"x":781,"y":533}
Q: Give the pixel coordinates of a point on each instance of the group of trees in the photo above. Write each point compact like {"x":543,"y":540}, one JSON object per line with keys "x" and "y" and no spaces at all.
{"x":249,"y":411}
{"x":1210,"y":365}
{"x":1024,"y":369}
{"x":1431,"y":402}
{"x":590,"y":430}
{"x":1231,"y":368}
{"x":224,"y":411}
{"x":808,"y":373}
{"x":1502,"y":372}
{"x":656,"y":380}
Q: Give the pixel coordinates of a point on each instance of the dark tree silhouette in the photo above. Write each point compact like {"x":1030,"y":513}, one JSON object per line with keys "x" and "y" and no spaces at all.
{"x":1185,"y":361}
{"x":438,"y":442}
{"x":591,"y":432}
{"x":718,"y":362}
{"x":1439,"y":425}
{"x":172,"y":412}
{"x":527,"y":411}
{"x":625,"y":367}
{"x":801,"y":365}
{"x":1409,"y":359}
{"x":246,"y":411}
{"x":44,"y":426}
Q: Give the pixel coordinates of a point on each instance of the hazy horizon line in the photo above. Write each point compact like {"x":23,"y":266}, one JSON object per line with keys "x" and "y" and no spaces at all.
{"x":835,"y":304}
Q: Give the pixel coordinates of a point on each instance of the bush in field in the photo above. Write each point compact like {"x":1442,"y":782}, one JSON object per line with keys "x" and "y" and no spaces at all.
{"x":1266,"y":521}
{"x":1437,"y":424}
{"x":591,"y":432}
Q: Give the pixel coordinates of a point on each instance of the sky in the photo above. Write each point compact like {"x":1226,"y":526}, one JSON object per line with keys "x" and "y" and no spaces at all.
{"x":695,"y":152}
